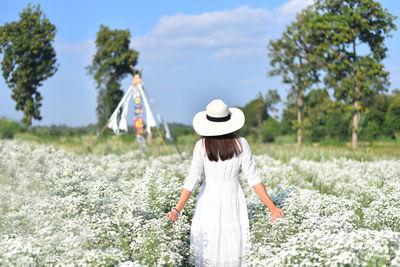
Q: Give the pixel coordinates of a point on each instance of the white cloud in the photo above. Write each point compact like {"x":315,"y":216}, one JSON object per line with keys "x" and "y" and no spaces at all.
{"x":236,"y":53}
{"x":239,"y":33}
{"x":210,"y":22}
{"x":208,"y":31}
{"x":289,"y":10}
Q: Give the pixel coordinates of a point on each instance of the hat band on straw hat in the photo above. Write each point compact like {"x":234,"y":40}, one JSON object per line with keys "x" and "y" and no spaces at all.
{"x":215,"y":119}
{"x":218,"y":119}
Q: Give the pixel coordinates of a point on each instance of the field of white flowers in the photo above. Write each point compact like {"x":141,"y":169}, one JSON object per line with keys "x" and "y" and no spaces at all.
{"x":58,"y":208}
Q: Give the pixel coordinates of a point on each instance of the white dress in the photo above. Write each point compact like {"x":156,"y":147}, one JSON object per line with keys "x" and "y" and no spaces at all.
{"x":220,"y":222}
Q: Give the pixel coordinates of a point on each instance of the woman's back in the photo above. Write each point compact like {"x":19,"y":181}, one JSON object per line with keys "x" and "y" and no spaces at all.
{"x":221,"y":170}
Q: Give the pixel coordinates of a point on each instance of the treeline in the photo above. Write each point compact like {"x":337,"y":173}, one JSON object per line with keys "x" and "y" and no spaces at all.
{"x":324,"y":120}
{"x":10,"y":128}
{"x":336,"y":46}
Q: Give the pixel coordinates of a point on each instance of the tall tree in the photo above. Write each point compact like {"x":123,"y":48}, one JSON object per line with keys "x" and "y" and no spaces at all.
{"x":356,"y":75}
{"x":257,"y":111}
{"x":111,"y":63}
{"x":294,"y":56}
{"x":270,"y":127}
{"x":392,"y":118}
{"x":271,"y":99}
{"x":317,"y":106}
{"x":28,"y":59}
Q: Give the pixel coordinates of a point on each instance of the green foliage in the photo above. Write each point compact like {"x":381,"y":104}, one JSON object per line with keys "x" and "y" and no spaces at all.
{"x":346,"y":25}
{"x":111,"y":63}
{"x":257,"y":111}
{"x":372,"y":130}
{"x":285,"y":139}
{"x":179,"y":129}
{"x":332,"y":142}
{"x":338,"y":121}
{"x":57,"y":131}
{"x":288,"y":120}
{"x":376,"y":113}
{"x":317,"y":106}
{"x":9,"y":128}
{"x":325,"y":38}
{"x":271,"y":99}
{"x":392,"y":117}
{"x":269,"y":130}
{"x":28,"y":59}
{"x":295,"y":54}
{"x":296,"y":57}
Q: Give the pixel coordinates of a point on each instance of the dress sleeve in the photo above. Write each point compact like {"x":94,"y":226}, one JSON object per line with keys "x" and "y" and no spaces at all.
{"x":196,"y":168}
{"x":248,"y":165}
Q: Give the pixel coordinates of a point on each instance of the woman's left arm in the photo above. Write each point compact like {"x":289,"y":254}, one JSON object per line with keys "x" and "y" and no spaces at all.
{"x":173,"y":215}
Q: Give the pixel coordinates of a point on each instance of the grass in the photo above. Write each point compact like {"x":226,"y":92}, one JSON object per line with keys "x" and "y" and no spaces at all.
{"x":317,"y":152}
{"x":110,"y":144}
{"x":283,"y":149}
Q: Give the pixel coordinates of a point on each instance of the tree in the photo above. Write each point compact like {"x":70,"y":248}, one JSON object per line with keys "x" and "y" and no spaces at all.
{"x":257,"y":111}
{"x":338,"y":121}
{"x":111,"y":63}
{"x":392,"y":117}
{"x":289,"y":117}
{"x":376,"y":113}
{"x":269,"y":129}
{"x":294,"y":56}
{"x":28,"y":59}
{"x":316,"y":108}
{"x":271,"y":99}
{"x":355,"y":77}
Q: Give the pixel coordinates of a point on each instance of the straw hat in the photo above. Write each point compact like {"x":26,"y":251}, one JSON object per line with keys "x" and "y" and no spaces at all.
{"x":218,"y":119}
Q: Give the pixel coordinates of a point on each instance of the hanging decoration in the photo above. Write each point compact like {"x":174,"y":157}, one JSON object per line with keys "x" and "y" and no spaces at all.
{"x":142,"y":106}
{"x":138,"y":120}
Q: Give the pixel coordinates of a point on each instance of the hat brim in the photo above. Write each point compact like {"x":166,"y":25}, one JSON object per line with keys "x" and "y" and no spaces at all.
{"x":204,"y":127}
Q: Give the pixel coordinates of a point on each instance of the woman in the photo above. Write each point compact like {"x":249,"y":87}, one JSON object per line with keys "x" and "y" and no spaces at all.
{"x":220,"y":223}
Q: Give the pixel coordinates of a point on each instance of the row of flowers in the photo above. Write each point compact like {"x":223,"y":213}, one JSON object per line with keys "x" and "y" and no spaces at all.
{"x":59,"y":208}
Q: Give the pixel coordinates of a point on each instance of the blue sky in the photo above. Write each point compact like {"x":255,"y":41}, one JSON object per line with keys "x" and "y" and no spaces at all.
{"x":191,"y":52}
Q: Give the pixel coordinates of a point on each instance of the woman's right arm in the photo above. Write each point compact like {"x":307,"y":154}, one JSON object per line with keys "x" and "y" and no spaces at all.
{"x":173,"y":215}
{"x":191,"y":181}
{"x":254,"y":181}
{"x":263,"y":195}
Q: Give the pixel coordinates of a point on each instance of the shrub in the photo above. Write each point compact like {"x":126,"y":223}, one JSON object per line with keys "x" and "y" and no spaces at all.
{"x":372,"y":130}
{"x":392,"y":117}
{"x":9,"y":128}
{"x":269,"y":130}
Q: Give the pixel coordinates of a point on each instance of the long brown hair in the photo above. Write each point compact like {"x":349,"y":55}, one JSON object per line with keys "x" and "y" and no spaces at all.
{"x":222,"y":146}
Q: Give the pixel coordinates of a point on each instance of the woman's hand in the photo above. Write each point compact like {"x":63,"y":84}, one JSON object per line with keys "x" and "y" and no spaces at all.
{"x":173,"y":216}
{"x":276,"y":213}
